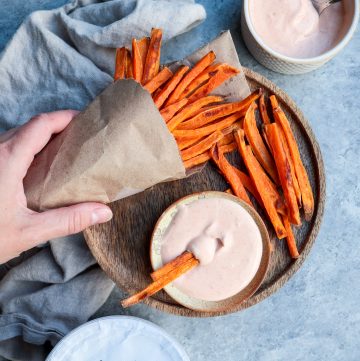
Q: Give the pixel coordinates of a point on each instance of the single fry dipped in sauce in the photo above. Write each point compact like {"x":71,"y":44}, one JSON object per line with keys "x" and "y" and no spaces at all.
{"x":160,"y":283}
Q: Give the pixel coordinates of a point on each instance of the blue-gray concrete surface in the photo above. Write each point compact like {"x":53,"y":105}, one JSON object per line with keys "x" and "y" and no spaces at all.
{"x":316,"y":315}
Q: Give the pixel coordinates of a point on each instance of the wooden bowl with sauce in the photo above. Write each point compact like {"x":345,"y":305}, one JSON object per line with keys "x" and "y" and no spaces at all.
{"x":191,"y":298}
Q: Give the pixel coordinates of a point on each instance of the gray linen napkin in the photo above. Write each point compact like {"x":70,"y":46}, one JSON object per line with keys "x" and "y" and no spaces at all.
{"x":62,"y":59}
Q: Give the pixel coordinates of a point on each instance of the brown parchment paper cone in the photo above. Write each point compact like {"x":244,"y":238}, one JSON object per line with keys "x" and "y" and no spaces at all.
{"x":119,"y":145}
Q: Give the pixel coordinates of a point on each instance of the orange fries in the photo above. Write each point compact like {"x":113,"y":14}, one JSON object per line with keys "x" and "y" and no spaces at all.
{"x":207,"y":127}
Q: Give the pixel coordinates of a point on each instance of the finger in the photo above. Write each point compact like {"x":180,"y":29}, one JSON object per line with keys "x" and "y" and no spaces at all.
{"x":7,"y":135}
{"x":32,"y":137}
{"x":65,"y":221}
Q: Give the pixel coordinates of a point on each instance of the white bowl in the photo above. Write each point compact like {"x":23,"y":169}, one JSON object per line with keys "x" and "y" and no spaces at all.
{"x":115,"y":338}
{"x":285,"y":64}
{"x":229,"y":304}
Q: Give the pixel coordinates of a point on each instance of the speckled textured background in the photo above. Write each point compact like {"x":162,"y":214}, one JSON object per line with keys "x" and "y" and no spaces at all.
{"x":316,"y":315}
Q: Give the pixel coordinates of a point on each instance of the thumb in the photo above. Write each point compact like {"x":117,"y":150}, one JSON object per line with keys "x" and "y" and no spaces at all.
{"x":67,"y":220}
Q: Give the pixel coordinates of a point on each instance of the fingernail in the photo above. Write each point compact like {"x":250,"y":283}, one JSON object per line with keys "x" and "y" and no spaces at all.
{"x":101,"y":215}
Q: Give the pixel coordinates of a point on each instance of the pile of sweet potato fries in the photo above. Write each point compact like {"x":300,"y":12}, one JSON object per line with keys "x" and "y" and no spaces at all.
{"x":206,"y":127}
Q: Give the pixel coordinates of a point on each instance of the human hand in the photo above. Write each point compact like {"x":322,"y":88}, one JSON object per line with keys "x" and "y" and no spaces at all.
{"x":20,"y":227}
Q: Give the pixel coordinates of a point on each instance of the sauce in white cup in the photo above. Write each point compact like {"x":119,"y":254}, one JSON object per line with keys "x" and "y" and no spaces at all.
{"x":278,"y":61}
{"x":226,"y":240}
{"x":294,"y":28}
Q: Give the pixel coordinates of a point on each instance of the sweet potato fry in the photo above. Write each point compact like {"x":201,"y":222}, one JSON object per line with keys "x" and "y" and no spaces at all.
{"x":197,"y":160}
{"x":168,"y":112}
{"x":292,"y":167}
{"x":157,"y":92}
{"x":208,"y":107}
{"x":202,"y":146}
{"x":278,"y":202}
{"x":283,"y":167}
{"x":201,"y":132}
{"x":152,"y":63}
{"x":229,"y":173}
{"x":191,"y":109}
{"x":129,"y":71}
{"x":268,"y":194}
{"x":259,"y":148}
{"x":158,"y":80}
{"x":263,"y":111}
{"x":143,"y":46}
{"x":290,"y":238}
{"x":233,"y":127}
{"x":227,"y":139}
{"x":160,"y":99}
{"x":203,"y":63}
{"x":220,"y":76}
{"x":248,"y":184}
{"x":204,"y":157}
{"x":159,"y":284}
{"x":120,"y":63}
{"x":203,"y":77}
{"x":266,"y":139}
{"x":291,"y":163}
{"x":307,"y":196}
{"x":137,"y":64}
{"x":220,"y":111}
{"x":228,"y":148}
{"x":176,"y":262}
{"x":184,"y":143}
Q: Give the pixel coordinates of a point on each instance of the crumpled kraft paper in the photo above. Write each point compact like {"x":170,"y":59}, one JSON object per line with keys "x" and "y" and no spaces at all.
{"x":119,"y":145}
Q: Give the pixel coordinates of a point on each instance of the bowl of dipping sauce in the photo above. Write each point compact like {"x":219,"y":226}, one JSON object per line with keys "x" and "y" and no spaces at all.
{"x":229,"y":239}
{"x":289,"y":36}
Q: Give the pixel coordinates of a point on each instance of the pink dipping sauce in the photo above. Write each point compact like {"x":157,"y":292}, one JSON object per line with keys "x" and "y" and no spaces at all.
{"x":225,"y":239}
{"x":294,"y":28}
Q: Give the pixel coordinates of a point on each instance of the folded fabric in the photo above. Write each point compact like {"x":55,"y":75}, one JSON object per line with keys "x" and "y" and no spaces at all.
{"x":62,"y":59}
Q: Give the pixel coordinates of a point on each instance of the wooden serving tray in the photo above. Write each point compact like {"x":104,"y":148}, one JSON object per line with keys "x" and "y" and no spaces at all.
{"x":121,"y":246}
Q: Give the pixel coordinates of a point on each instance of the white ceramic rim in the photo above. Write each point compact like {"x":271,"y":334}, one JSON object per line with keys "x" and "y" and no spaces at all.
{"x":169,"y":338}
{"x":317,"y":59}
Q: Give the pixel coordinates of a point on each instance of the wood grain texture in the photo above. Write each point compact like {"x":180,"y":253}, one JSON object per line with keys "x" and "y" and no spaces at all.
{"x":121,"y":246}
